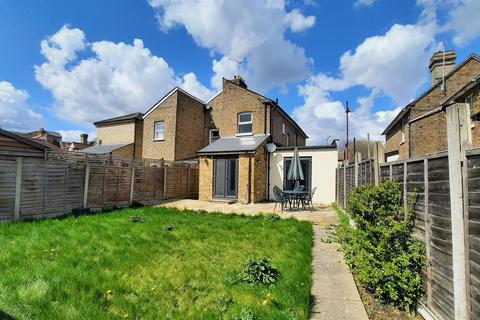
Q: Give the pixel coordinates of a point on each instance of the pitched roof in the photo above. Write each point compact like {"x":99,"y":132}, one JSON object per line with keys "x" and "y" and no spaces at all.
{"x":165,"y":97}
{"x":127,"y":117}
{"x":234,"y":144}
{"x":104,"y":148}
{"x":22,"y":139}
{"x":267,"y":100}
{"x":411,"y":104}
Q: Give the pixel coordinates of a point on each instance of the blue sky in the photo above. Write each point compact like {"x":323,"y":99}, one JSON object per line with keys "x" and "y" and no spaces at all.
{"x":68,"y":63}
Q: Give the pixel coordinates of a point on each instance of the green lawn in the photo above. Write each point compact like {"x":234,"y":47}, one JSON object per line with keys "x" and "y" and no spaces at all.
{"x":107,"y":267}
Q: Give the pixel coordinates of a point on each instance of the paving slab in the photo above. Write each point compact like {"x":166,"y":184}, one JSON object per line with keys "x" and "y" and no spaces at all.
{"x":334,"y":291}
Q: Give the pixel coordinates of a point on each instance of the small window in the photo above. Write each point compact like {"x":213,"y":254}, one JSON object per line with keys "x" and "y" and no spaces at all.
{"x":214,"y":135}
{"x":288,"y":140}
{"x":284,"y":130}
{"x":245,"y":123}
{"x":159,"y":130}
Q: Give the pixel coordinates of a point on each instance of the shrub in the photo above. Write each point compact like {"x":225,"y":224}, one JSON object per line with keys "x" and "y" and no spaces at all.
{"x":272,"y":217}
{"x":259,"y":271}
{"x":136,"y":219}
{"x":381,"y":250}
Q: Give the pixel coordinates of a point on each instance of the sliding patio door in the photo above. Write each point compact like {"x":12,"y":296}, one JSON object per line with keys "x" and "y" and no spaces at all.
{"x":225,"y":179}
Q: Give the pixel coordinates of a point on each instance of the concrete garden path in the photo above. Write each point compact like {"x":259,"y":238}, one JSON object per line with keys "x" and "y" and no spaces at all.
{"x":334,"y":291}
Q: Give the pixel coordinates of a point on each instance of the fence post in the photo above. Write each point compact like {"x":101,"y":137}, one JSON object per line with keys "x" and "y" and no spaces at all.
{"x":345,"y":184}
{"x":456,"y":134}
{"x":18,"y":188}
{"x":391,"y":172}
{"x":188,"y":182}
{"x":164,"y":182}
{"x":427,"y":231}
{"x":85,"y":186}
{"x":357,"y":156}
{"x":132,"y":184}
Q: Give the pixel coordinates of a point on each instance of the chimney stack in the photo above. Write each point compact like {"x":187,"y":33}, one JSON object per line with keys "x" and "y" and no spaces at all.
{"x":84,"y":138}
{"x":441,"y":63}
{"x":239,"y":81}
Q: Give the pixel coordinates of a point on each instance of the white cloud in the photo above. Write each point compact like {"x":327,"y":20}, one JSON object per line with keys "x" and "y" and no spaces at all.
{"x":393,"y":64}
{"x":365,"y":3}
{"x":464,"y":20}
{"x":118,"y":78}
{"x":251,"y":31}
{"x":297,"y":22}
{"x":15,"y":113}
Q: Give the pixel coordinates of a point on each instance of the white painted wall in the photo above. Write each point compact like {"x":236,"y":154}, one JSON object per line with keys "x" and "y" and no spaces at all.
{"x":324,"y":162}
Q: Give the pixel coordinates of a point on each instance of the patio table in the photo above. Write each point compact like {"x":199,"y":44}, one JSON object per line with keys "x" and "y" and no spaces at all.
{"x":295,"y":196}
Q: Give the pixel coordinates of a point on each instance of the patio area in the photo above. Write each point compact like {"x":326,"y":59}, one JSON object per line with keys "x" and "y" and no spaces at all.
{"x":322,"y":214}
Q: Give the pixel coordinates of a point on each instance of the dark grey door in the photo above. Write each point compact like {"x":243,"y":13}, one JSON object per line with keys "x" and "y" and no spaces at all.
{"x":225,"y":179}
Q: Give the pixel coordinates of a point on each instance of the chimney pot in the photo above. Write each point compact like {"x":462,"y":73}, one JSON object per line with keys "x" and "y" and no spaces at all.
{"x":84,"y":138}
{"x":239,"y":81}
{"x":441,"y":64}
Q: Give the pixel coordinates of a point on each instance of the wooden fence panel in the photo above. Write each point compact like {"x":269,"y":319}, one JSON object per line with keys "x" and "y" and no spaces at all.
{"x":340,"y":186}
{"x":384,"y":173}
{"x":96,"y":186}
{"x":8,"y":171}
{"x":440,"y":242}
{"x":474,"y":233}
{"x":416,"y":186}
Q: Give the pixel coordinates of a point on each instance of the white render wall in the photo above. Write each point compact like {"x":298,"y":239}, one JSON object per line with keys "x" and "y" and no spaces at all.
{"x":324,"y":163}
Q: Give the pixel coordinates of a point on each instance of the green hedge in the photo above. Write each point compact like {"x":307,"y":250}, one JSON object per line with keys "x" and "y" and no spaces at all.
{"x":381,"y":250}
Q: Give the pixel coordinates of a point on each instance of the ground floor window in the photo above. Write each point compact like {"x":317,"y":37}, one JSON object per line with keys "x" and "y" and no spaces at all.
{"x":225,"y":180}
{"x":392,"y":156}
{"x":306,"y":163}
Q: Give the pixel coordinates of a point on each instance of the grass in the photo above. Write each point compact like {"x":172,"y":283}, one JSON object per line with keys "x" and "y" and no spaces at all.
{"x":173,"y":265}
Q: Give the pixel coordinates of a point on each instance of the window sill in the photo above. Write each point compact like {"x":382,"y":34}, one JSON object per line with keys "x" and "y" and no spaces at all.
{"x":158,"y":139}
{"x":244,"y":134}
{"x":401,"y":142}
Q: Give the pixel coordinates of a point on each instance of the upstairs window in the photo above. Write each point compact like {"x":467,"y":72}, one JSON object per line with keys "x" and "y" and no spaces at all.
{"x":245,"y":120}
{"x":214,"y":135}
{"x":288,"y":140}
{"x":402,"y":138}
{"x":159,"y":131}
{"x":284,"y":129}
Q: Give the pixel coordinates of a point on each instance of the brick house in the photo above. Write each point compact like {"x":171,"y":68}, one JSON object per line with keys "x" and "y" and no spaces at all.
{"x":239,"y":123}
{"x":227,"y":135}
{"x":420,"y":128}
{"x":122,"y":137}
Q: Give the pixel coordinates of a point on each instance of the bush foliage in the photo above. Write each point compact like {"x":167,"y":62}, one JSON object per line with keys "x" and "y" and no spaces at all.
{"x":381,"y":250}
{"x":259,"y":271}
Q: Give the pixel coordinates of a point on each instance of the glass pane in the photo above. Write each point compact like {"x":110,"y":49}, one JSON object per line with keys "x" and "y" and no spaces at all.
{"x":245,"y":117}
{"x":245,"y":128}
{"x":288,"y":184}
{"x":232,"y":177}
{"x":219,"y":177}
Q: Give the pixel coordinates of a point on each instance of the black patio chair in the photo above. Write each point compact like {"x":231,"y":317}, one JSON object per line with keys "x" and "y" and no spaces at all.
{"x":308,"y":200}
{"x":280,"y":197}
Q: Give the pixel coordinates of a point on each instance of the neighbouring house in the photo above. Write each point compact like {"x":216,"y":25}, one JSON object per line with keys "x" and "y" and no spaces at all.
{"x":420,"y":128}
{"x":14,"y":145}
{"x":51,"y":137}
{"x":123,"y":151}
{"x":77,"y":146}
{"x":174,"y":127}
{"x":120,"y":136}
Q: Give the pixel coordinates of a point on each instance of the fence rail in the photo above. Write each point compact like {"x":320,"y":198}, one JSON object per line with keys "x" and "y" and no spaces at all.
{"x":36,"y":188}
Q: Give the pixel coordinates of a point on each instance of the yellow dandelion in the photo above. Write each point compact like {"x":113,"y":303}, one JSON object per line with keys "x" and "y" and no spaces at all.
{"x":125,"y":316}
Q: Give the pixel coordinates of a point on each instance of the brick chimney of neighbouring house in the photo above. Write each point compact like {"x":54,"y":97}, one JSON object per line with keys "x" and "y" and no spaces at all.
{"x":441,"y":63}
{"x":239,"y":81}
{"x":84,"y":138}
